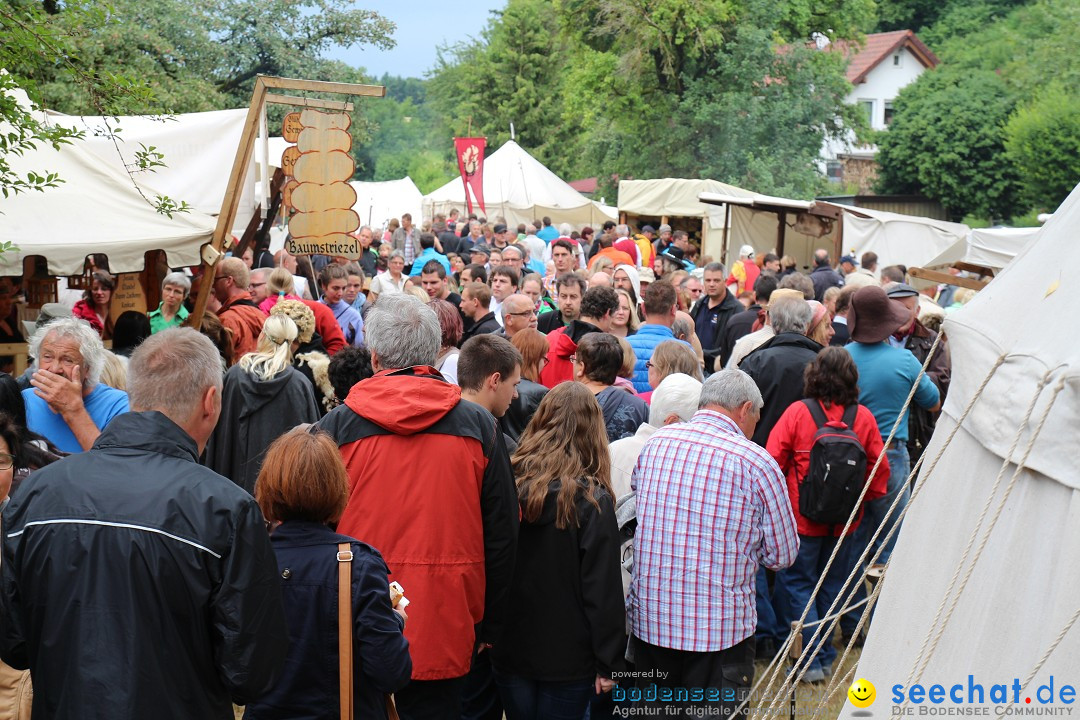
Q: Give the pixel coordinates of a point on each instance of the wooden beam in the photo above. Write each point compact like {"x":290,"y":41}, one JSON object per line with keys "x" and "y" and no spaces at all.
{"x":231,"y":200}
{"x":781,"y":227}
{"x":971,"y":267}
{"x":940,"y":277}
{"x":278,"y":83}
{"x":337,"y":105}
{"x":727,"y":222}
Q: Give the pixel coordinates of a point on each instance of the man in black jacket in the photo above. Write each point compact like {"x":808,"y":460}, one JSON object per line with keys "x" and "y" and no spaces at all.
{"x":712,"y":312}
{"x":135,"y":582}
{"x":777,"y":366}
{"x":741,"y":324}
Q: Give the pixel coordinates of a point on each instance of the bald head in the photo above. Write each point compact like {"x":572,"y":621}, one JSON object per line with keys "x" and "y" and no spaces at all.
{"x":600,"y":279}
{"x":518,"y":313}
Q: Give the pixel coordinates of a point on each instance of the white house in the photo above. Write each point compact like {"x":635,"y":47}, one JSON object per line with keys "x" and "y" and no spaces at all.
{"x":878,"y":69}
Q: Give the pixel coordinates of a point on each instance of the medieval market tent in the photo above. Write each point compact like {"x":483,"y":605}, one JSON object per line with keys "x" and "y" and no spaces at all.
{"x":678,"y":198}
{"x":377,"y":202}
{"x":198,"y":149}
{"x":96,"y":208}
{"x":982,"y":582}
{"x":518,"y":187}
{"x":798,"y":227}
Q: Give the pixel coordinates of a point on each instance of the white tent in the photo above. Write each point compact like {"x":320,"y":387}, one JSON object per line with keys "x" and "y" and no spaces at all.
{"x":377,"y":202}
{"x":199,"y":150}
{"x":518,"y":187}
{"x":678,"y":197}
{"x":96,"y":209}
{"x":899,"y":239}
{"x":1015,"y":596}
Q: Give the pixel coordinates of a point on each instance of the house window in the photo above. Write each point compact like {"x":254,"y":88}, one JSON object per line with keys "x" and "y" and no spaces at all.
{"x":834,"y":171}
{"x":898,"y":60}
{"x":888,"y":113}
{"x":868,"y":108}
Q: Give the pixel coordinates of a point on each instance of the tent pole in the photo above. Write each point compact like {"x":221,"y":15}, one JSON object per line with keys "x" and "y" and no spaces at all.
{"x":781,"y":222}
{"x":727,"y":222}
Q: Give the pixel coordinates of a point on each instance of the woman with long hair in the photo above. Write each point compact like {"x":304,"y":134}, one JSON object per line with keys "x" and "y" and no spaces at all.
{"x":567,"y":569}
{"x":302,"y":490}
{"x":533,"y":346}
{"x":96,"y":302}
{"x":262,"y":397}
{"x":624,"y":321}
{"x":452,"y":329}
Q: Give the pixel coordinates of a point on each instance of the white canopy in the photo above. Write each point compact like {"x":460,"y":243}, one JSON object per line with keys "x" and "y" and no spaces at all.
{"x":377,"y":202}
{"x":899,"y":239}
{"x":678,"y":197}
{"x":96,"y":209}
{"x":518,"y":187}
{"x":1022,"y":588}
{"x":199,"y":150}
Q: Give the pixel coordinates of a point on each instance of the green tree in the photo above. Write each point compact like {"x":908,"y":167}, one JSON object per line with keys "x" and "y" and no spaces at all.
{"x":1043,"y":140}
{"x":947,"y":141}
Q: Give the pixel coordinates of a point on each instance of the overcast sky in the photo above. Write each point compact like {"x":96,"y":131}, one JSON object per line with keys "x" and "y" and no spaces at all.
{"x":422,"y":26}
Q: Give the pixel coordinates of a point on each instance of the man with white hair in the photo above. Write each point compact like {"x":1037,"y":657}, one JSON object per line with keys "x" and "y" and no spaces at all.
{"x":674,"y":400}
{"x":449,"y":529}
{"x":65,"y":403}
{"x":712,"y":507}
{"x":136,"y":582}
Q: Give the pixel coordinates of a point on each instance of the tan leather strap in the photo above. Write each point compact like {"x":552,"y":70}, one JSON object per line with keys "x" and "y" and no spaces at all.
{"x":345,"y":644}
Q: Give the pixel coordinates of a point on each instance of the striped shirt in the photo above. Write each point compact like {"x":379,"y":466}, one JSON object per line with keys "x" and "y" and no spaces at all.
{"x":711,"y":507}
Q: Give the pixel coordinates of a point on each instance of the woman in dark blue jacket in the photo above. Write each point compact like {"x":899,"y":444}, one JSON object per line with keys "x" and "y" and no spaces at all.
{"x":303,"y":486}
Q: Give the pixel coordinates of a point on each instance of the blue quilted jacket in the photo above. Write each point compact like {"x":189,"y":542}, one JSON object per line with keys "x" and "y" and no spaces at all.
{"x":644,"y":341}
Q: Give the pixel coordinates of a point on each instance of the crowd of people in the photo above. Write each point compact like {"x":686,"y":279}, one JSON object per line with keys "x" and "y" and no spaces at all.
{"x":586,"y":458}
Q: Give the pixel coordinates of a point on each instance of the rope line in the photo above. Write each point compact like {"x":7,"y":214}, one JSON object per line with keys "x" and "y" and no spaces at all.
{"x":937,"y":626}
{"x":858,"y":568}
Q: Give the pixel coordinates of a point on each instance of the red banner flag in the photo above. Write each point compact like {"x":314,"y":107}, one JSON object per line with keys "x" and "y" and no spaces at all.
{"x":470,"y":159}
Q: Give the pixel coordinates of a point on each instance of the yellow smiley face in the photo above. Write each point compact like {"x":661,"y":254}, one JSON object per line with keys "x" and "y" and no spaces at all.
{"x":861,"y":693}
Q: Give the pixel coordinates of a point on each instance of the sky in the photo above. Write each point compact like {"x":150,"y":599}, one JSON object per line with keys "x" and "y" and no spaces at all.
{"x":422,"y":26}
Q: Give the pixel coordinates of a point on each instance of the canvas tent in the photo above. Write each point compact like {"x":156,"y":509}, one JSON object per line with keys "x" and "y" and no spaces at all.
{"x":763,"y":221}
{"x":678,"y":198}
{"x":1008,"y":477}
{"x":199,"y":149}
{"x":377,"y":202}
{"x":518,"y":187}
{"x":96,"y":209}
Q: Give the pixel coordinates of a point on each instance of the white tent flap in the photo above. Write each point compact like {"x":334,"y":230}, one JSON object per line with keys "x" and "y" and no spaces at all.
{"x":1019,"y":591}
{"x":377,"y":202}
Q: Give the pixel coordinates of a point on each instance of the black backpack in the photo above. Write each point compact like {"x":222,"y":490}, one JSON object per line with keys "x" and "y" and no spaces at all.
{"x":837,"y":472}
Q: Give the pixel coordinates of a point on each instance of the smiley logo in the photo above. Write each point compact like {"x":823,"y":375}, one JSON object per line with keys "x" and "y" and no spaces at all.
{"x":862,"y":693}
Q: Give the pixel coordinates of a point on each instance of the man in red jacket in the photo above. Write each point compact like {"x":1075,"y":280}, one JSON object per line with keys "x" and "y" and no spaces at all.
{"x":431,"y":489}
{"x":596,"y":307}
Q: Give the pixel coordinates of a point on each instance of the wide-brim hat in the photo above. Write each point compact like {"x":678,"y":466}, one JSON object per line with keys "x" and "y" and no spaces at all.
{"x":873,"y":316}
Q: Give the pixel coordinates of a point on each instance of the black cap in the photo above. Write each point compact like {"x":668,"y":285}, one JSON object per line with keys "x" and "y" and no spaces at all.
{"x":901,"y":290}
{"x":500,"y":228}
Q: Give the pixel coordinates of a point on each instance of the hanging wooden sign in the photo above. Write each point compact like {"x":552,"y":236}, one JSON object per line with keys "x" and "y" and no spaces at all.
{"x":322,"y":196}
{"x":129,"y":295}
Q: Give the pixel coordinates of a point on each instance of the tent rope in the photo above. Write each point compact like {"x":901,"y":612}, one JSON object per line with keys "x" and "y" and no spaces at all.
{"x":1049,"y":651}
{"x":920,"y":483}
{"x":937,"y":627}
{"x":772,"y":672}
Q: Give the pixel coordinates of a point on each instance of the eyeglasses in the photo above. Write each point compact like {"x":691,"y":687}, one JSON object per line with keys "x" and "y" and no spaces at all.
{"x":219,"y":277}
{"x":573,"y":358}
{"x":525,"y":313}
{"x":6,"y":461}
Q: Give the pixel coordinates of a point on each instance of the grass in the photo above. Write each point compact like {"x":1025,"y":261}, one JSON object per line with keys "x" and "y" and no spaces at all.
{"x":807,"y":696}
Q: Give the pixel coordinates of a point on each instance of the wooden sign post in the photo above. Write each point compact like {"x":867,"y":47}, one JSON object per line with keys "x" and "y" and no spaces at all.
{"x":213,"y":252}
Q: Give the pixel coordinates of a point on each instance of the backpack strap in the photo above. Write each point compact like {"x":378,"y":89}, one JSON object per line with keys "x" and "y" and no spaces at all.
{"x":849,"y":415}
{"x":816,"y":412}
